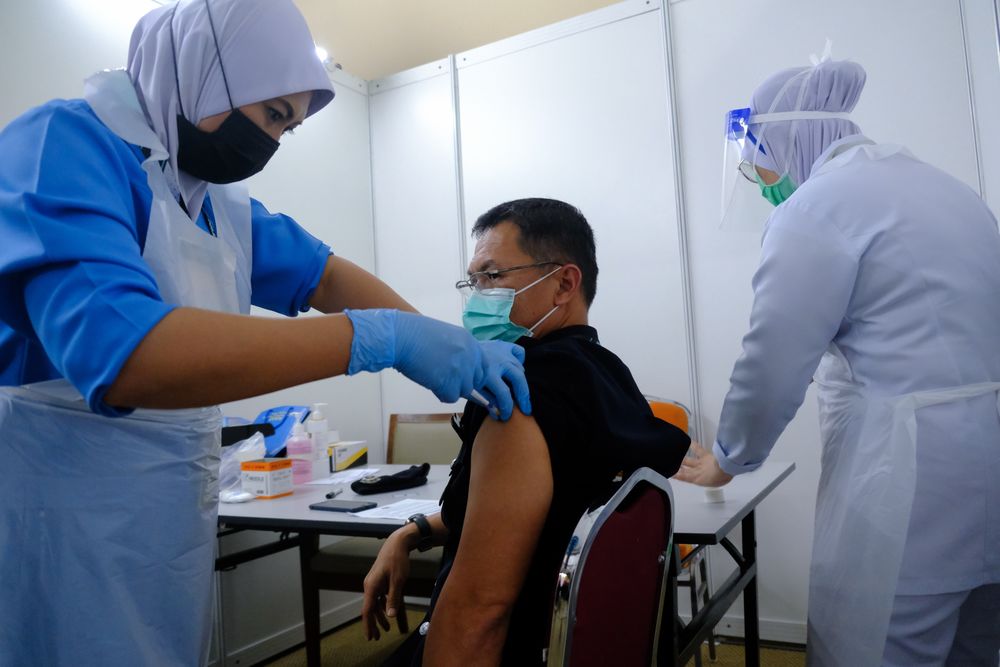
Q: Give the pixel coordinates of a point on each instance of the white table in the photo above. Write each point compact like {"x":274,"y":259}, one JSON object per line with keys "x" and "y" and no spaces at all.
{"x":696,"y":522}
{"x":292,"y":513}
{"x":701,"y":523}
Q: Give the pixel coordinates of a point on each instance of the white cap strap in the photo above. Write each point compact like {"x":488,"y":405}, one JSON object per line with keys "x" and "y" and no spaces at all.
{"x":798,"y":115}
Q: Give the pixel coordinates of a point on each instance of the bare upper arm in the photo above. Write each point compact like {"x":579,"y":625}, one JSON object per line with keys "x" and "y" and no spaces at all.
{"x":510,"y":491}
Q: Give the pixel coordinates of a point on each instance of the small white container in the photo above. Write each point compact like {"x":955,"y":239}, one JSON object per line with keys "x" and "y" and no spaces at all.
{"x":715,"y":495}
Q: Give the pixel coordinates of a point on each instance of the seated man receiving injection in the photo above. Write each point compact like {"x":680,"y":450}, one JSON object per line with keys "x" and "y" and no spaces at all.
{"x":518,"y":487}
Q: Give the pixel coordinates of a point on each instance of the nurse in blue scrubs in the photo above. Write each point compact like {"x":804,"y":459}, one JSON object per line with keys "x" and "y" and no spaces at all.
{"x":129,"y":259}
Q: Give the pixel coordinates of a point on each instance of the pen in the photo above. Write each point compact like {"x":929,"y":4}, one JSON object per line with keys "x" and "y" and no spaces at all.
{"x":334,"y":493}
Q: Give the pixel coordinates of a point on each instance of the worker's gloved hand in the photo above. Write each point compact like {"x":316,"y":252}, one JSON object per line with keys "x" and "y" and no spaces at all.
{"x":442,"y":357}
{"x":504,"y":375}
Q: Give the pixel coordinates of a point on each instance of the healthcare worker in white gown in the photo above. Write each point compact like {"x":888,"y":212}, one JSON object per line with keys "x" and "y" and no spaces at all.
{"x":129,"y":259}
{"x":879,"y":279}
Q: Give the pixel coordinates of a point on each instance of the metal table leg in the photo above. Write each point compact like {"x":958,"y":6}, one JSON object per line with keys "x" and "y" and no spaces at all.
{"x":751,"y":627}
{"x":308,"y":546}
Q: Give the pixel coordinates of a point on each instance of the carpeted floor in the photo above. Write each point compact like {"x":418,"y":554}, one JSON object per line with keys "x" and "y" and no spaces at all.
{"x":346,"y":647}
{"x":731,"y":655}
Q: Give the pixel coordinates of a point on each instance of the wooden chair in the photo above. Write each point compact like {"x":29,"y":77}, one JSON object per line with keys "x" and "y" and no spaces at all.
{"x":694,"y":564}
{"x":421,"y":439}
{"x":611,"y":586}
{"x":426,"y":438}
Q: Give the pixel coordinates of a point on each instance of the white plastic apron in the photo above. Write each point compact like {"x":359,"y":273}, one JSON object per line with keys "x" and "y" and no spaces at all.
{"x":863,"y":505}
{"x":107,"y":526}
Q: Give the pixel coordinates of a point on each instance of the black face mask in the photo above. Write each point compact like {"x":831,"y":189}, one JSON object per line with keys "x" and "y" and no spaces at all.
{"x":238,"y":149}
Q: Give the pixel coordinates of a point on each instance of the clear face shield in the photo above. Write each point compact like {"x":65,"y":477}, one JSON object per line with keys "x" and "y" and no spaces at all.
{"x":743,"y":206}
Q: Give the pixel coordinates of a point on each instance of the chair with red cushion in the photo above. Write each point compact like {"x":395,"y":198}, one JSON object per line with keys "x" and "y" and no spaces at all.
{"x":612,"y":581}
{"x":694,"y":562}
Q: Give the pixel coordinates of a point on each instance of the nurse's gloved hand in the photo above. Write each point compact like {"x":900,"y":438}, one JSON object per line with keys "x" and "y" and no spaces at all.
{"x":442,"y":357}
{"x":504,"y":375}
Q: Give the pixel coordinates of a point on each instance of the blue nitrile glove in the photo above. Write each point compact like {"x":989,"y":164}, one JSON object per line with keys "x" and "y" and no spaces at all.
{"x":504,"y":374}
{"x":442,"y":357}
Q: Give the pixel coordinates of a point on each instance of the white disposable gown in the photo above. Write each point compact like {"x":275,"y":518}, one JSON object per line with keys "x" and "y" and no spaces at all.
{"x":888,"y":270}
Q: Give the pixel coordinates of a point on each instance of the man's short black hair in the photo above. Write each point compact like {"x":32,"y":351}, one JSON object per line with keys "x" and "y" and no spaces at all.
{"x":551,"y":231}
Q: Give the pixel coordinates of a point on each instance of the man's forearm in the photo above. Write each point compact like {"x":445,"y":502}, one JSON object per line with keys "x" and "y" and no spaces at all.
{"x":194,"y":358}
{"x":465,"y":633}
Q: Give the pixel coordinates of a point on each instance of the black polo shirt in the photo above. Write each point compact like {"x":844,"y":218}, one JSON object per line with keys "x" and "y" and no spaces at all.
{"x":598,"y":429}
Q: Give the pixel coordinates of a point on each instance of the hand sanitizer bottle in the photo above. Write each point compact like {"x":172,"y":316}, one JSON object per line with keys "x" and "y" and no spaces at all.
{"x":299,"y":448}
{"x":318,"y":430}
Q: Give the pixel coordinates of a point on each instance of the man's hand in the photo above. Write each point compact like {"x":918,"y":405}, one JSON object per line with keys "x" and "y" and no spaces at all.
{"x":702,"y":469}
{"x":384,"y":586}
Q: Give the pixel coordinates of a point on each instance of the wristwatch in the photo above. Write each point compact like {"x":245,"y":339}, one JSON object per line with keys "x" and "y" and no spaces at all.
{"x":424,"y":527}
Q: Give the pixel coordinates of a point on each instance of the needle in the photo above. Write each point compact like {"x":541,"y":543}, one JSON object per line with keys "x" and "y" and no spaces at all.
{"x":479,"y":398}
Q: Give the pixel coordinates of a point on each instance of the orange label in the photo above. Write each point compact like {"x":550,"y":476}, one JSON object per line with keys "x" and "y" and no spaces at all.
{"x":266,"y":465}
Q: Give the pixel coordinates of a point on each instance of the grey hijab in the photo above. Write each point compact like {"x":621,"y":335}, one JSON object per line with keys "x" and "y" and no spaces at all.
{"x":827,"y":86}
{"x":266,"y":49}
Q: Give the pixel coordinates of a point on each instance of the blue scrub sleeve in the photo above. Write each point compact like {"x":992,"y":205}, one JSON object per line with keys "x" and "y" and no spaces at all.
{"x":71,"y":270}
{"x":288,"y":262}
{"x":801,"y":292}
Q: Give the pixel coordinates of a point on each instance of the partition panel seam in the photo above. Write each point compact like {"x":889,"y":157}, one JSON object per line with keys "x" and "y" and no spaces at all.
{"x":375,"y":253}
{"x":972,"y":99}
{"x":459,"y":179}
{"x":996,"y":24}
{"x":682,"y":237}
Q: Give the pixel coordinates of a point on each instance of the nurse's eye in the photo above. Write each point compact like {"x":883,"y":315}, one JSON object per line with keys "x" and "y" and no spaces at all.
{"x":274,"y":115}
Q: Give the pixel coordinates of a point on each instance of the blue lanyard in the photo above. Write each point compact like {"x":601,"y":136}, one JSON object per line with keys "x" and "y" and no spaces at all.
{"x":209,"y":220}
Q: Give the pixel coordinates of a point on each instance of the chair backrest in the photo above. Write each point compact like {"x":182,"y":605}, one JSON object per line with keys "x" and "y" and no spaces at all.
{"x":609,"y":595}
{"x":421,"y":439}
{"x":673,"y":412}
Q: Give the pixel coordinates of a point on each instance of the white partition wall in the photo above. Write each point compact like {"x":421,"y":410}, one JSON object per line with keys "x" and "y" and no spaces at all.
{"x":416,"y":195}
{"x":321,"y":177}
{"x":48,"y":47}
{"x":579,"y":111}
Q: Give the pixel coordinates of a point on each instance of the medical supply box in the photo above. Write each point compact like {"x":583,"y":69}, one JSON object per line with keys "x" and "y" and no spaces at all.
{"x":267,"y":478}
{"x":348,"y":454}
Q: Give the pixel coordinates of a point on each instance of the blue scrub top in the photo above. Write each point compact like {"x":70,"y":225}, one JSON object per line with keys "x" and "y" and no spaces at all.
{"x":76,"y":296}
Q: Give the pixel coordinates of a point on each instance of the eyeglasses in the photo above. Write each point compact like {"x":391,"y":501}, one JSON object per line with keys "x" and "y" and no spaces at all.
{"x":748,"y":172}
{"x":481,"y":280}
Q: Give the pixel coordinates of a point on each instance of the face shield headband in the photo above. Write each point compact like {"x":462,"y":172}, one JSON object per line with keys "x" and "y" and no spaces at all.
{"x":743,"y":207}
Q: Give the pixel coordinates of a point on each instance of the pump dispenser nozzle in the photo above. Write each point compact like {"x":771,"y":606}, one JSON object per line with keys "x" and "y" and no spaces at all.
{"x":317,"y":422}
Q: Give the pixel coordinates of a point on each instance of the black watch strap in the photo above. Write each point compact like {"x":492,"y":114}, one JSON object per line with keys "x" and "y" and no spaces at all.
{"x":424,"y":528}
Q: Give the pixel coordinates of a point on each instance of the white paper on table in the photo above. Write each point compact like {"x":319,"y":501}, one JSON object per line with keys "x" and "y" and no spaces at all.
{"x":345,"y":476}
{"x":402,"y":509}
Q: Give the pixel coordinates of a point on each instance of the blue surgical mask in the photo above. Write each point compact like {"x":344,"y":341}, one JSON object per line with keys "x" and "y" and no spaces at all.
{"x":487,"y":313}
